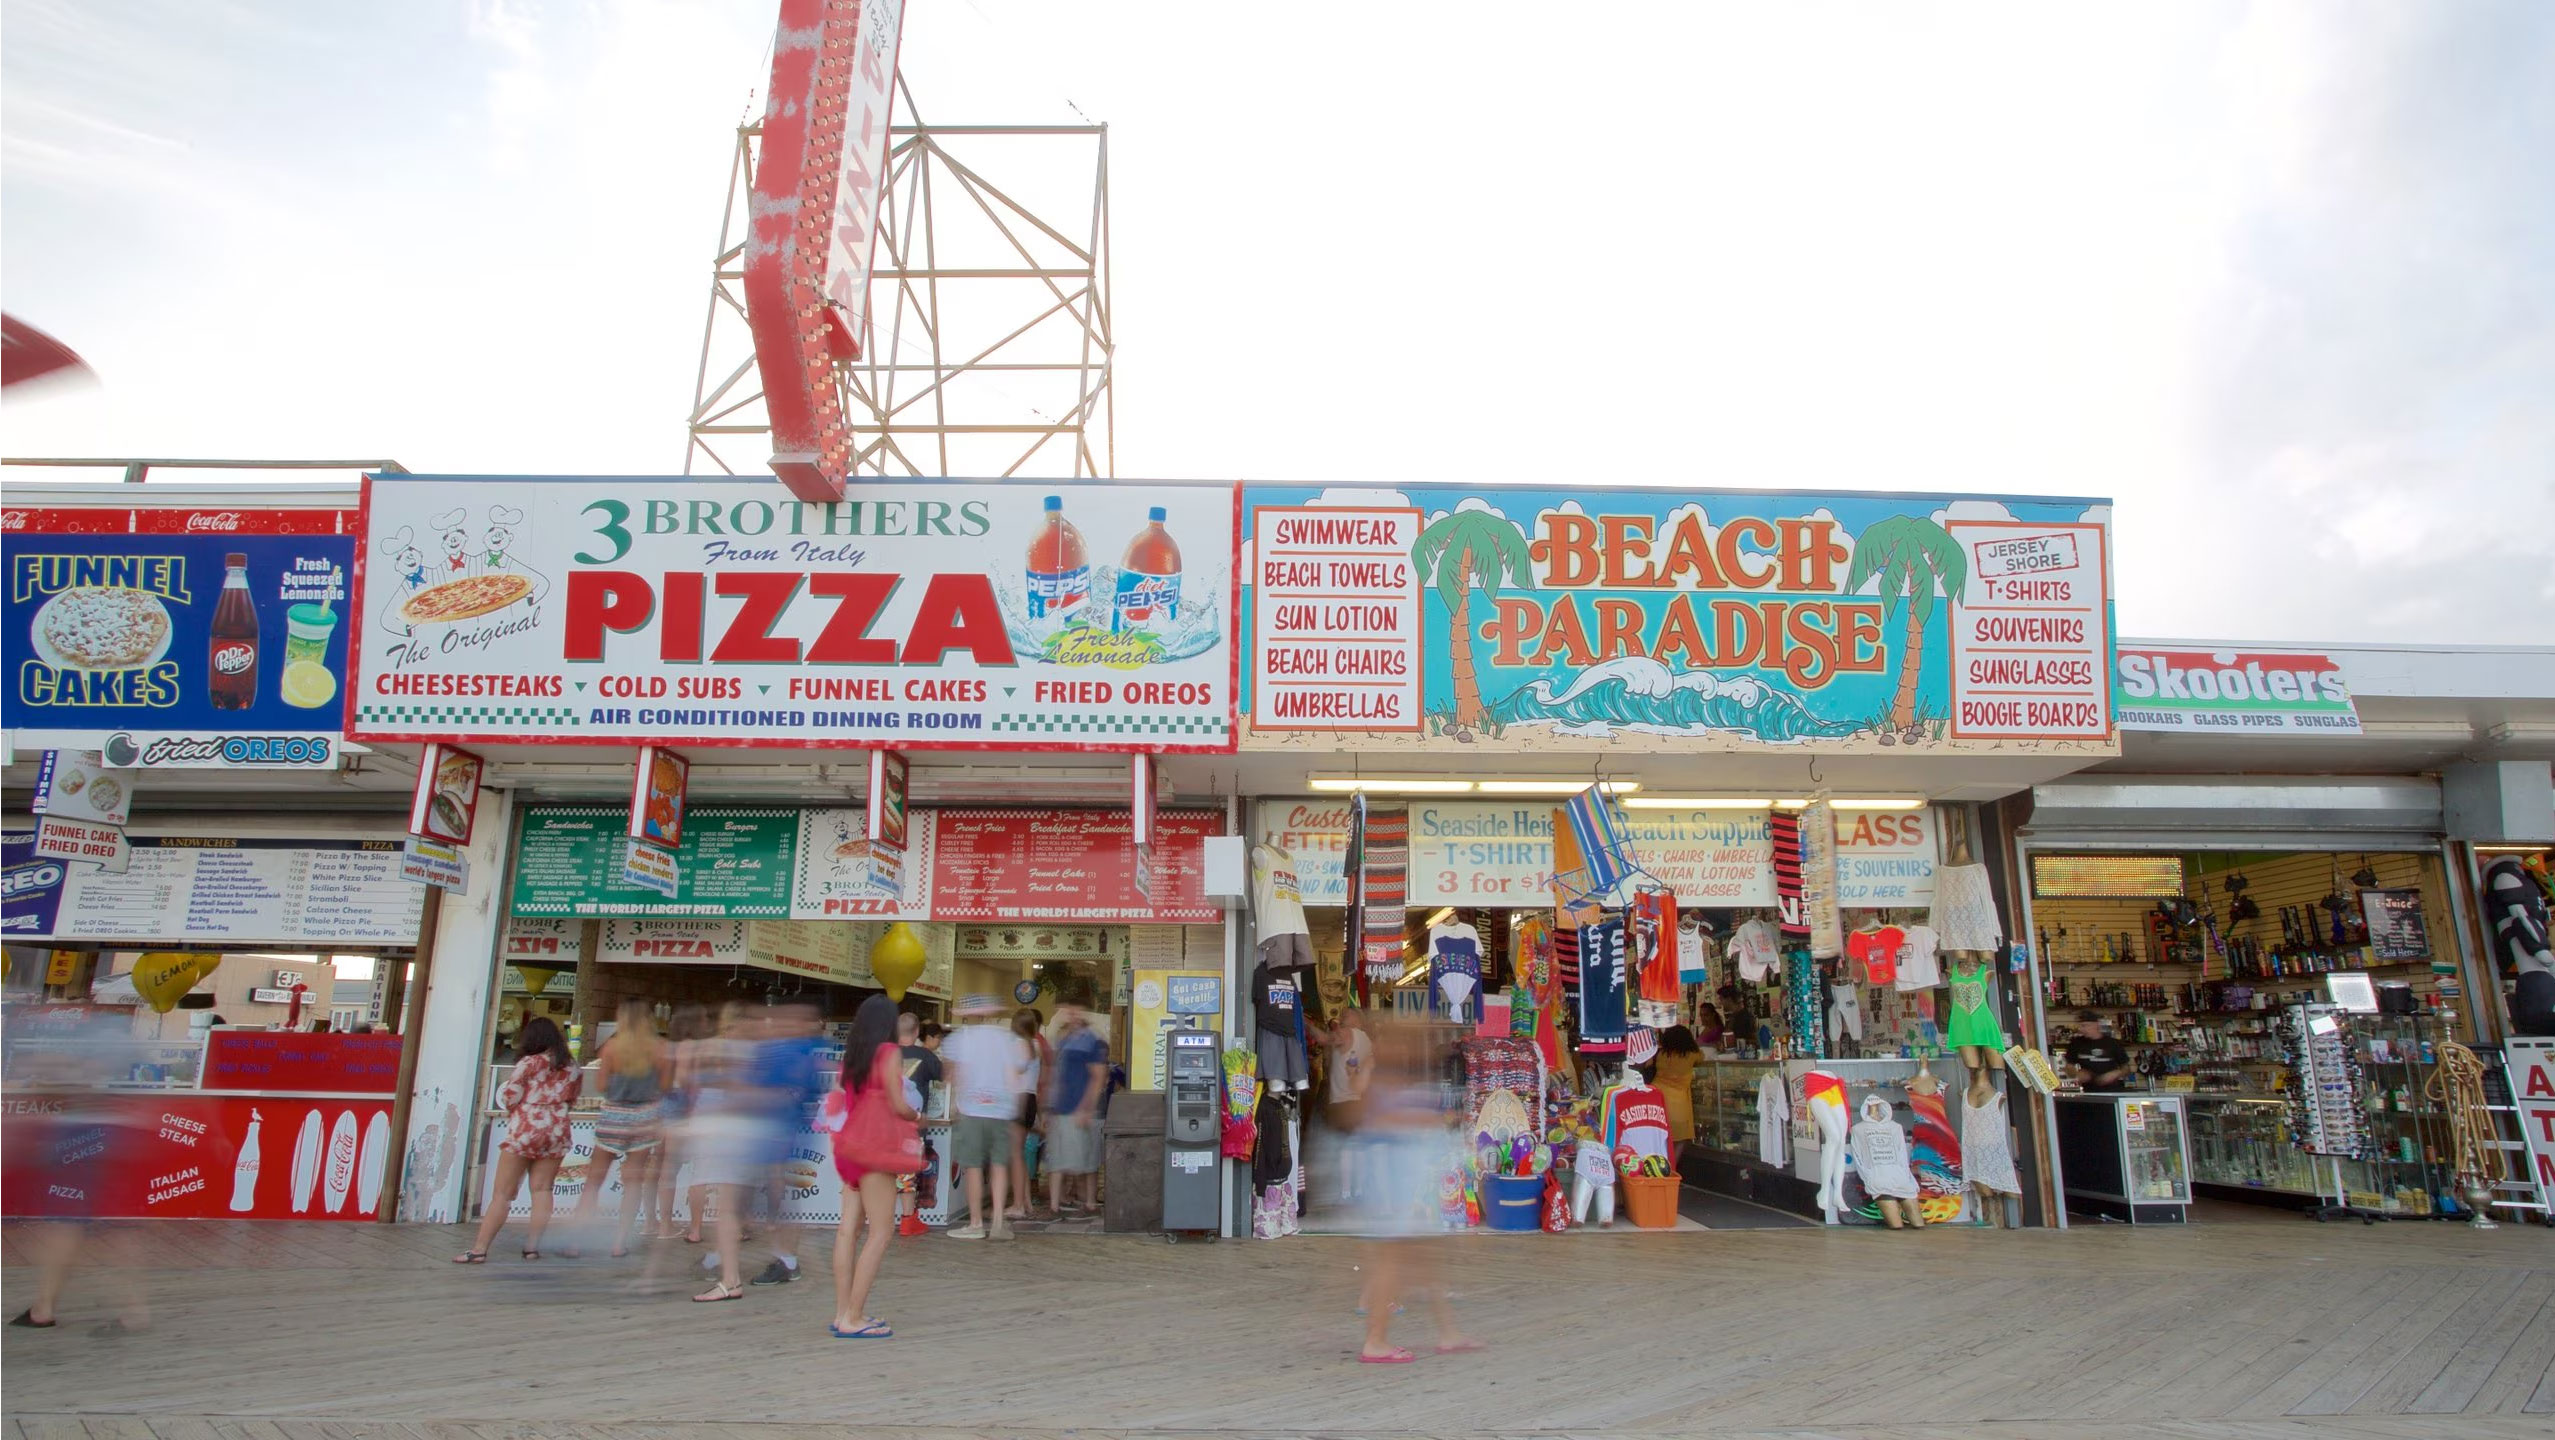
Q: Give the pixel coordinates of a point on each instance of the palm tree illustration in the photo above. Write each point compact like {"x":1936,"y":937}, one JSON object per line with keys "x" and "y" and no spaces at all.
{"x":1464,"y":549}
{"x":1916,"y":561}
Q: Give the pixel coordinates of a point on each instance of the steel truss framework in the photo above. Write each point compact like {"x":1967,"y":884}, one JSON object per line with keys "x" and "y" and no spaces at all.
{"x":989,"y":351}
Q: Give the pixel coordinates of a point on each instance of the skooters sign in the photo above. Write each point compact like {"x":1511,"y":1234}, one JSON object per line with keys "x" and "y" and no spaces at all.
{"x":948,"y":615}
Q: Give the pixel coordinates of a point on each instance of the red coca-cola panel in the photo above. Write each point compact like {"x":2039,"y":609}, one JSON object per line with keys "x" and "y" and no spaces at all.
{"x":171,"y":520}
{"x":292,"y":1060}
{"x":194,"y":1157}
{"x":1068,"y":865}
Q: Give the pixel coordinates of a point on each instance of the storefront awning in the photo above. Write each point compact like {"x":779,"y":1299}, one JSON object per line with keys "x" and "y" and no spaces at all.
{"x":2292,"y":811}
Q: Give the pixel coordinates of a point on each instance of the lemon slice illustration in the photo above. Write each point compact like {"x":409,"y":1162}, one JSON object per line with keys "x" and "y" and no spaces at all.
{"x":308,"y":684}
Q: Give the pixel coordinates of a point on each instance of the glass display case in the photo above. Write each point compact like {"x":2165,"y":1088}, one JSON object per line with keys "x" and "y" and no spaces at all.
{"x":1725,"y":1103}
{"x":2125,"y":1156}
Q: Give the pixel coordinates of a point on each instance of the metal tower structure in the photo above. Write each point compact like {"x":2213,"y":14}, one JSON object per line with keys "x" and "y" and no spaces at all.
{"x":990,"y":345}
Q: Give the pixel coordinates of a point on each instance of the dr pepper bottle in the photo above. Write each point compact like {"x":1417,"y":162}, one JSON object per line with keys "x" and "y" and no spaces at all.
{"x":234,"y":651}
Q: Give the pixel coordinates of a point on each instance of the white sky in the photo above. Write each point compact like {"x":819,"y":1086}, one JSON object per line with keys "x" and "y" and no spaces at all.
{"x":2280,"y":279}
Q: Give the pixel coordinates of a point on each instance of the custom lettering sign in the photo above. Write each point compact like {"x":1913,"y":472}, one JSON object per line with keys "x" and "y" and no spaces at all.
{"x":1676,"y":620}
{"x":715,"y":612}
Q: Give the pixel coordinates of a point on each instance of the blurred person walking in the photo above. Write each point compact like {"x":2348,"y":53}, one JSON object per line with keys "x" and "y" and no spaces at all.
{"x":1352,"y":1068}
{"x":72,"y":1141}
{"x":1072,"y":1150}
{"x":725,"y":1144}
{"x":631,"y":1128}
{"x":877,"y":1138}
{"x":1407,"y":1153}
{"x":684,"y":1038}
{"x":536,"y":1097}
{"x":918,"y":1043}
{"x":985,"y":1061}
{"x":1027,"y":1083}
{"x":788,"y":1083}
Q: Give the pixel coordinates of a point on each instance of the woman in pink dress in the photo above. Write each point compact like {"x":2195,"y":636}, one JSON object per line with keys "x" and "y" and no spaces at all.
{"x":536,"y":1097}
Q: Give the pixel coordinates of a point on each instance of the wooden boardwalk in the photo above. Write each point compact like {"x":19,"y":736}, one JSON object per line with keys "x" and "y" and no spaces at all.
{"x":2254,"y":1330}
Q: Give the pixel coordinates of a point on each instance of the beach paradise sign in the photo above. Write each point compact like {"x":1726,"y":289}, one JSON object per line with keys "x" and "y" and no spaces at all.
{"x":1641,"y":620}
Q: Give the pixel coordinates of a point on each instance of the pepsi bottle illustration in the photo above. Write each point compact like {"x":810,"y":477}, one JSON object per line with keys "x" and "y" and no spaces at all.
{"x":1059,"y":571}
{"x":1148,"y":595}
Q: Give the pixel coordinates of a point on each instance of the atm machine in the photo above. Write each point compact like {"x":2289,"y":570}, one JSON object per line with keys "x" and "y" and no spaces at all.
{"x":1193,"y":1130}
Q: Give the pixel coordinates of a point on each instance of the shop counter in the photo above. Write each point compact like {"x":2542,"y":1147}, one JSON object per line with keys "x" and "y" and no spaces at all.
{"x":195,"y":1155}
{"x":2123,"y":1156}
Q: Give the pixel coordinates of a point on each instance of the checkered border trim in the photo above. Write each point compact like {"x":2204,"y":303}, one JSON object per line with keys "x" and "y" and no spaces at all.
{"x":542,"y":715}
{"x":1213,"y":725}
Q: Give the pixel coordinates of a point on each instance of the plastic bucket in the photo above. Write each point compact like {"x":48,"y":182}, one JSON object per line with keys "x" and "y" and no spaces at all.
{"x":1650,"y":1201}
{"x":1513,"y":1202}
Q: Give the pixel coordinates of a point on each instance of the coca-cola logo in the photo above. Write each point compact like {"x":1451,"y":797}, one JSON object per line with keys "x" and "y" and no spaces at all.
{"x":234,"y":659}
{"x":13,"y":519}
{"x":213,"y":520}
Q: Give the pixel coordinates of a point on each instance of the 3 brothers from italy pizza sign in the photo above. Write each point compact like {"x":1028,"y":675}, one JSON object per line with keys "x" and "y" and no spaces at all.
{"x":725,"y":612}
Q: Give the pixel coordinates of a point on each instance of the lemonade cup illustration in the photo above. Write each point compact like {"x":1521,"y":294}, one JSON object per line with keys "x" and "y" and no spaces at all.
{"x":307,"y":683}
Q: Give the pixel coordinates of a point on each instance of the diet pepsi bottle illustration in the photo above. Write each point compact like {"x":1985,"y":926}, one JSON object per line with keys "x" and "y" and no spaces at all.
{"x":1148,"y":580}
{"x":1059,"y":571}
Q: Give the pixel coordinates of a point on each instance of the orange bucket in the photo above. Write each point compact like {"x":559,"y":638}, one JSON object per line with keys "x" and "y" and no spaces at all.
{"x":1650,"y":1200}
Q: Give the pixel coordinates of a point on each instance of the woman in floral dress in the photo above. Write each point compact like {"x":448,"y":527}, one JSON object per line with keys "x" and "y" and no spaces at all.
{"x":536,"y":1098}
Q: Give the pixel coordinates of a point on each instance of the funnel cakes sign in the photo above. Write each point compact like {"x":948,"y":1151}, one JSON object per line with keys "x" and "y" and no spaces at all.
{"x":1638,"y":620}
{"x":712,"y":612}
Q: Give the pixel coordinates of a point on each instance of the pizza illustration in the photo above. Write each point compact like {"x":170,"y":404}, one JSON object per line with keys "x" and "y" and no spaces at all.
{"x":104,"y":627}
{"x":466,"y":598}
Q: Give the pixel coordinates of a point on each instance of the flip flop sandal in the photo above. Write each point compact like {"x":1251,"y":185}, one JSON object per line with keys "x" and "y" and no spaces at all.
{"x":469,"y":1257}
{"x":25,"y":1320}
{"x":532,"y":1254}
{"x":717,"y":1293}
{"x":1395,"y":1356}
{"x":866,"y":1330}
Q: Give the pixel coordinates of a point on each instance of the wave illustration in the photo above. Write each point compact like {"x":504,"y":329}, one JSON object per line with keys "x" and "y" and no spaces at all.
{"x":1640,"y":693}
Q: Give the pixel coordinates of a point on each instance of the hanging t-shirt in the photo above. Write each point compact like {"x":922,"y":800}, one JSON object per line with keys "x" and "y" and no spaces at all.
{"x":1875,"y":954}
{"x":1917,"y":967}
{"x":1694,"y":952}
{"x":1276,"y":902}
{"x":1455,"y":972}
{"x":1602,"y":986}
{"x":1752,"y":947}
{"x":1275,"y":1002}
{"x":1774,"y":1120}
{"x":1653,"y":941}
{"x":1636,"y":1119}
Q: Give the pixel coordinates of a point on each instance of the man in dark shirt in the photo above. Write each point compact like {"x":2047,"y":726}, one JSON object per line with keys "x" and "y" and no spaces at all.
{"x":2098,"y":1061}
{"x":921,"y":1062}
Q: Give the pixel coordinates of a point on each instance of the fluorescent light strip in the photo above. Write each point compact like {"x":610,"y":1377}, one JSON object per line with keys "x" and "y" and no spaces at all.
{"x":1879,"y":803}
{"x":1552,"y":787}
{"x":1698,"y":802}
{"x":1409,"y":785}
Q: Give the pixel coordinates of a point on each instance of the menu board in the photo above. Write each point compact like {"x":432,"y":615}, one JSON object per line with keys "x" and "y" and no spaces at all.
{"x":774,"y":864}
{"x":839,"y":872}
{"x":734,"y":862}
{"x":269,"y":891}
{"x":1066,"y":865}
{"x":2396,"y":927}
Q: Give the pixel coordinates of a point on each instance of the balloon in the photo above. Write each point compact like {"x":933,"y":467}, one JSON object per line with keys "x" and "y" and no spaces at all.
{"x":164,"y":975}
{"x":897,"y":960}
{"x":537,"y":978}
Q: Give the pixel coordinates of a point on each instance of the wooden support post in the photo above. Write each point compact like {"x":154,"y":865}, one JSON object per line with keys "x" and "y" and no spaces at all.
{"x":412,"y":1038}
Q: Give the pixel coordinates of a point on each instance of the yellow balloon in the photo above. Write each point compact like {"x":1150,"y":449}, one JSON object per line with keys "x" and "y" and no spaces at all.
{"x":164,"y":975}
{"x":536,"y":978}
{"x":897,"y":959}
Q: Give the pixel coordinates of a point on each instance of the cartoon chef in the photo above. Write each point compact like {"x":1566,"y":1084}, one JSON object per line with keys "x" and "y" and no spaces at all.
{"x":456,"y":541}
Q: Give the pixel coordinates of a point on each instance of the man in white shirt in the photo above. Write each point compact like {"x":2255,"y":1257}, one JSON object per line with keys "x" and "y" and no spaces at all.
{"x":984,"y":1060}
